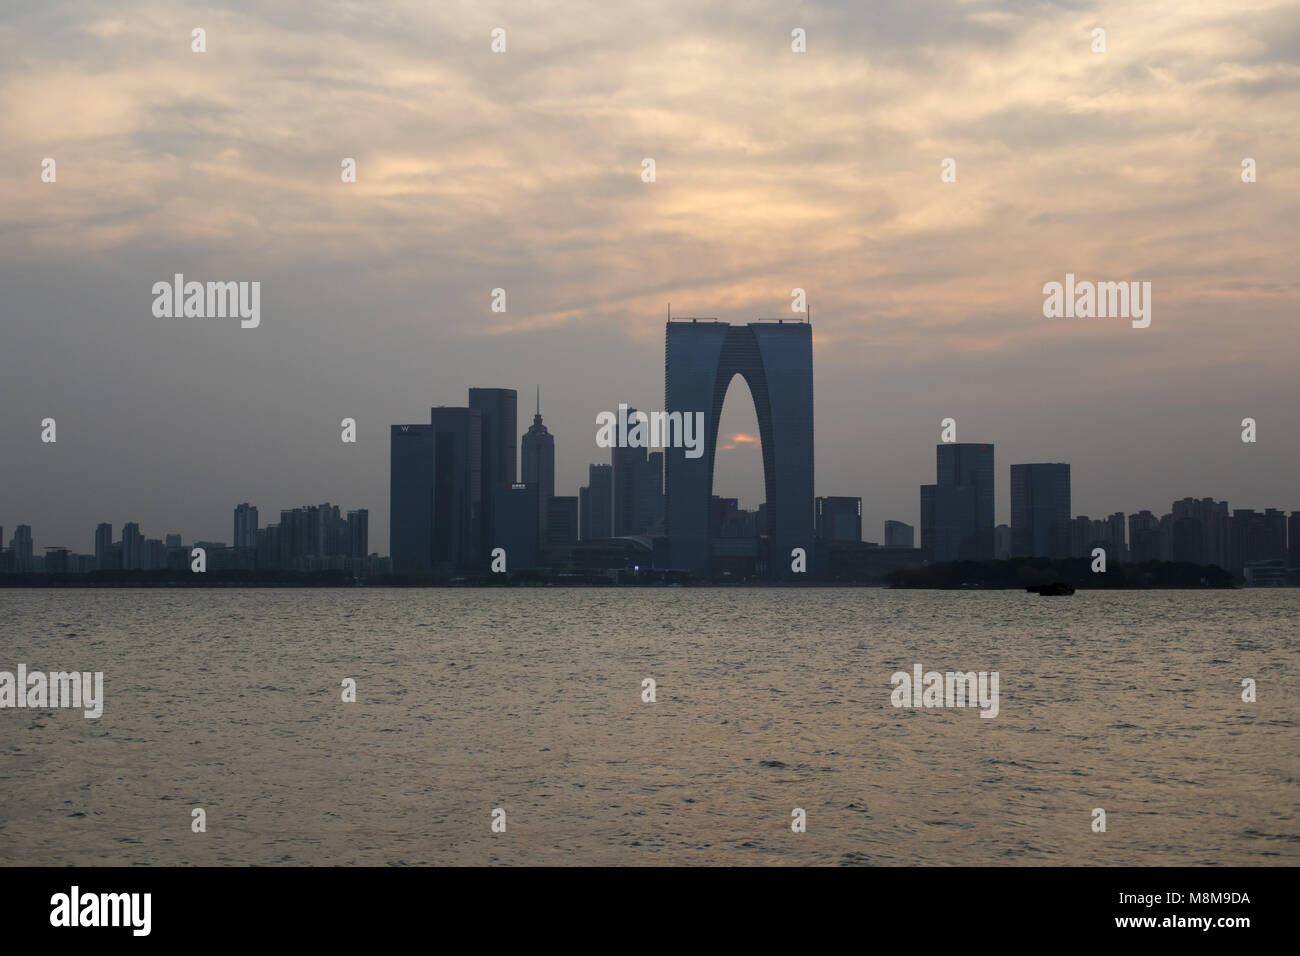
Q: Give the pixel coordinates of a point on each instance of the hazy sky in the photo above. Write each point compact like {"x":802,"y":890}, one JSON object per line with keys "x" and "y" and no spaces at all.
{"x":522,"y":170}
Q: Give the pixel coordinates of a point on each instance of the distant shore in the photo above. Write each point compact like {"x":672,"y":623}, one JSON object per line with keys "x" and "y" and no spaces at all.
{"x":1014,"y":574}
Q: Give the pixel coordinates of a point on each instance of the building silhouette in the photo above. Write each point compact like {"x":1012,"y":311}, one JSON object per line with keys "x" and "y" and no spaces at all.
{"x":537,"y":463}
{"x":561,"y":521}
{"x":596,"y":504}
{"x":245,"y":529}
{"x":963,"y":502}
{"x":516,"y":526}
{"x":838,"y":519}
{"x":498,"y":427}
{"x":1040,"y":510}
{"x":775,"y":359}
{"x":899,"y":535}
{"x":103,"y":546}
{"x":927,"y":522}
{"x":458,"y":490}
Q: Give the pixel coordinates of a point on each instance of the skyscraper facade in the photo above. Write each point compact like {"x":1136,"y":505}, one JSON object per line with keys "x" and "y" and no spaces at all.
{"x":245,"y":526}
{"x":103,"y":546}
{"x":627,"y":465}
{"x":963,"y":502}
{"x":458,"y":489}
{"x":132,"y":546}
{"x":775,"y":359}
{"x":537,"y":463}
{"x":927,"y":522}
{"x":412,"y":475}
{"x":599,"y":516}
{"x":1040,"y":511}
{"x":498,"y":426}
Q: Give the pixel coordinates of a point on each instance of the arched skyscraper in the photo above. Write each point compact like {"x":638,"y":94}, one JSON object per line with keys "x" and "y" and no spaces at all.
{"x":775,"y":359}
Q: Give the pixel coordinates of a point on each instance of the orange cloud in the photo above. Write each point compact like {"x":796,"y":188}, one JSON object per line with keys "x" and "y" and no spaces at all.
{"x":738,"y":439}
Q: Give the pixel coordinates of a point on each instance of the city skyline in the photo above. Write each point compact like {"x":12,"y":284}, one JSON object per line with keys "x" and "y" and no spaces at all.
{"x":522,"y":171}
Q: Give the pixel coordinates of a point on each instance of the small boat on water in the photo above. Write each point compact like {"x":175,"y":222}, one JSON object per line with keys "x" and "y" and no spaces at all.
{"x":1055,"y":589}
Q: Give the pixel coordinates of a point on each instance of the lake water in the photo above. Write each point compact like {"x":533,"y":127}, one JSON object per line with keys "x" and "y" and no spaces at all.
{"x":530,"y":700}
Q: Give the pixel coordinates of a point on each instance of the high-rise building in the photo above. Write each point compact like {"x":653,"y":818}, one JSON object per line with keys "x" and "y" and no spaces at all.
{"x":963,"y":502}
{"x":1255,"y":537}
{"x":516,"y":523}
{"x":22,"y":546}
{"x":245,"y":526}
{"x":838,"y":519}
{"x":561,"y":521}
{"x":650,"y":494}
{"x":103,"y":545}
{"x":1143,"y":537}
{"x":1040,"y":511}
{"x":537,"y":463}
{"x":927,"y":522}
{"x":153,"y":555}
{"x":1199,"y":531}
{"x":627,"y":464}
{"x":776,"y":361}
{"x":458,"y":489}
{"x":358,"y":533}
{"x":498,"y":410}
{"x":412,"y":476}
{"x":1115,"y":549}
{"x":899,"y":535}
{"x":132,"y":546}
{"x":597,"y":520}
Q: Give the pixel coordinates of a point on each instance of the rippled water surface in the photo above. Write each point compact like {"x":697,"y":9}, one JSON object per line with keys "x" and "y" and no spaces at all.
{"x":530,"y":700}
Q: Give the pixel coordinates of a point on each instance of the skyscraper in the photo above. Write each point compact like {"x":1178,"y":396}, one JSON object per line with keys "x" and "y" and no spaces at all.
{"x":561,"y":521}
{"x":650,"y":494}
{"x":598,"y":519}
{"x":516,"y":523}
{"x":245,"y":526}
{"x":412,"y":475}
{"x":537,"y":463}
{"x":927,"y":522}
{"x":358,"y":533}
{"x":963,"y":502}
{"x":21,"y":543}
{"x":132,"y":546}
{"x":103,"y":546}
{"x":498,"y":425}
{"x":627,"y":466}
{"x":458,"y":489}
{"x":775,"y":359}
{"x":1040,"y":511}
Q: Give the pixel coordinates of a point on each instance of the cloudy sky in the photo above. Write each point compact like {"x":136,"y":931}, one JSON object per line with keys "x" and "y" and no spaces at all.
{"x":522,"y":170}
